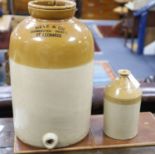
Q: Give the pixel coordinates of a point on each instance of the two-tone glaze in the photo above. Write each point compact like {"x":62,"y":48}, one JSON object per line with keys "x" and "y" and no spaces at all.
{"x":122,"y":102}
{"x":51,"y":62}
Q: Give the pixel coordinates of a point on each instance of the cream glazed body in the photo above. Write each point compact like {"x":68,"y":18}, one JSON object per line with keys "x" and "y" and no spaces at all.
{"x":58,"y":104}
{"x":121,"y":121}
{"x":51,"y":63}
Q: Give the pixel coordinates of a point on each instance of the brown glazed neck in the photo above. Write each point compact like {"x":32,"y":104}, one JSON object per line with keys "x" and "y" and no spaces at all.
{"x":52,"y":9}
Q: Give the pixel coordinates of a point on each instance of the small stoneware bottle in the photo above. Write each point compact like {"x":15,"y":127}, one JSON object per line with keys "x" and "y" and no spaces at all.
{"x":122,"y":102}
{"x":51,"y":63}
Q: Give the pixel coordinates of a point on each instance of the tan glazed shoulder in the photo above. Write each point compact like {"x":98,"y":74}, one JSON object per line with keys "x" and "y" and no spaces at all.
{"x":122,"y":90}
{"x":51,"y":44}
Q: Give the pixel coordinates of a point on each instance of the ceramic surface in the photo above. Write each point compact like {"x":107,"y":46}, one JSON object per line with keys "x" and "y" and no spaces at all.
{"x":51,"y":100}
{"x":121,"y":121}
{"x":123,"y":89}
{"x":122,"y":106}
{"x":51,"y":62}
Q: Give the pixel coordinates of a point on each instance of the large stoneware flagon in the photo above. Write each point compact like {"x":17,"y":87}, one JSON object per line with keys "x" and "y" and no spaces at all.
{"x":51,"y":62}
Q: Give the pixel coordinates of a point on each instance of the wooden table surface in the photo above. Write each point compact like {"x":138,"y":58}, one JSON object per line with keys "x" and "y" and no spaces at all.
{"x":7,"y":136}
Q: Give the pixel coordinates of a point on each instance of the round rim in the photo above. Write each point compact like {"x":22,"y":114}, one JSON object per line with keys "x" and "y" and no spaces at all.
{"x":124,"y":72}
{"x":52,"y":4}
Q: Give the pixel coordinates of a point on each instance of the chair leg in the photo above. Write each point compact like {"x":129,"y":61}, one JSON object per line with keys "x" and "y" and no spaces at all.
{"x":126,"y":37}
{"x":132,"y":44}
{"x":141,"y":33}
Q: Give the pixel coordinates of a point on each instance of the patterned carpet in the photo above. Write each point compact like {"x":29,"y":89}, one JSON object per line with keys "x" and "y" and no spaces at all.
{"x":97,"y":48}
{"x":109,"y":31}
{"x":113,"y":50}
{"x":103,"y":73}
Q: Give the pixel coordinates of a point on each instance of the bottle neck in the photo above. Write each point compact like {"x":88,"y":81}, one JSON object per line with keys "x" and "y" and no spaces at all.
{"x":52,"y":9}
{"x":124,"y":75}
